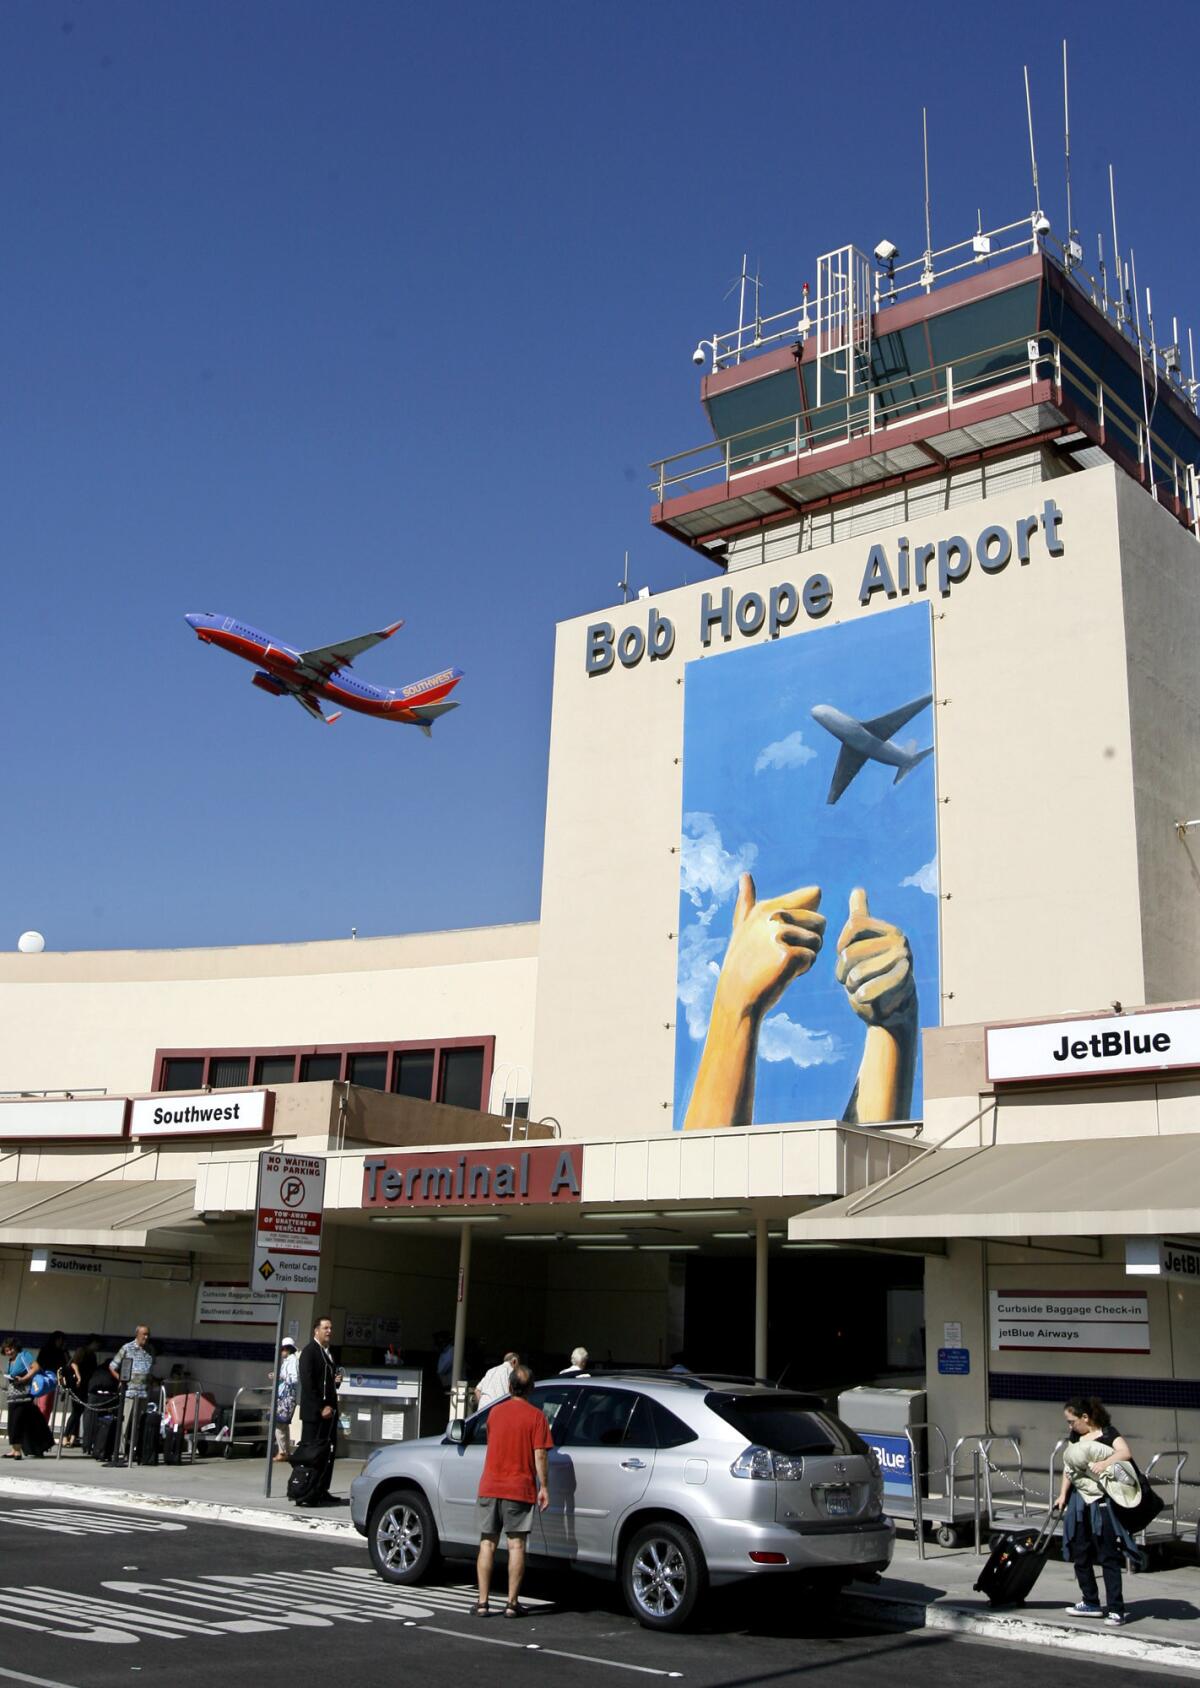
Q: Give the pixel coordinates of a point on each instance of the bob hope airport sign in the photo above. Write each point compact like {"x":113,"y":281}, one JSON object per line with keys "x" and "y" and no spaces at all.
{"x":1157,"y":1041}
{"x":474,"y":1177}
{"x":910,"y":571}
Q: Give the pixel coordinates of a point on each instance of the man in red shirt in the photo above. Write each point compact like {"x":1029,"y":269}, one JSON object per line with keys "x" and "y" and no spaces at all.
{"x":512,"y":1484}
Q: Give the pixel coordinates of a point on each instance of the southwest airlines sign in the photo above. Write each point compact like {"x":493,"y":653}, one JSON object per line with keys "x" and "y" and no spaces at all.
{"x":1161,"y":1040}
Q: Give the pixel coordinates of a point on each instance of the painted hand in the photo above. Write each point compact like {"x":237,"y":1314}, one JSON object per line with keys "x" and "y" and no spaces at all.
{"x":772,"y":943}
{"x":874,"y":965}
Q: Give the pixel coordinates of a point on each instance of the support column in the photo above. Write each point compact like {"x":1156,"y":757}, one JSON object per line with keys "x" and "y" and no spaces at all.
{"x":460,"y":1307}
{"x":760,"y":1296}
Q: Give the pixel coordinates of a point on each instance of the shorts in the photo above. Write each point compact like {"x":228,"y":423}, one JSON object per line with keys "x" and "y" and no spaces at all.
{"x":510,"y":1517}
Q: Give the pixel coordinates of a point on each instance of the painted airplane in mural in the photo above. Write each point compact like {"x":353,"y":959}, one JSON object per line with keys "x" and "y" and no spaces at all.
{"x":868,"y":741}
{"x":309,"y":676}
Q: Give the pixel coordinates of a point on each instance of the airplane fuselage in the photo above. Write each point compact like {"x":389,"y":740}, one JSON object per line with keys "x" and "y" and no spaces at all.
{"x":281,"y":661}
{"x":854,"y":734}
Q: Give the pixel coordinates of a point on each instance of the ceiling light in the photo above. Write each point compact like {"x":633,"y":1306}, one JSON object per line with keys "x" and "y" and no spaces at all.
{"x":466,"y":1219}
{"x":730,"y":1236}
{"x":643,"y":1213}
{"x":668,"y":1248}
{"x":605,"y":1248}
{"x":532,"y":1237}
{"x":400,"y":1219}
{"x":706,"y":1212}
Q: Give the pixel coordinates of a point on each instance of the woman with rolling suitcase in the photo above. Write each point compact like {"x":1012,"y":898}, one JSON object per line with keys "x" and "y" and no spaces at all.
{"x":1092,"y":1533}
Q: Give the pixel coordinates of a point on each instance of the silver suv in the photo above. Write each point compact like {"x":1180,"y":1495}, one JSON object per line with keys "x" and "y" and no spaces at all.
{"x":667,"y":1481}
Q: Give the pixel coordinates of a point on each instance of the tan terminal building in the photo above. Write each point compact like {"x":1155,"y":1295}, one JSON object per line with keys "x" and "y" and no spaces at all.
{"x":864,"y":855}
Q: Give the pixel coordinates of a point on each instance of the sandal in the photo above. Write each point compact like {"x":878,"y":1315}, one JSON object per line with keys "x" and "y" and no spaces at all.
{"x":12,"y":1456}
{"x":482,"y":1610}
{"x":514,"y":1609}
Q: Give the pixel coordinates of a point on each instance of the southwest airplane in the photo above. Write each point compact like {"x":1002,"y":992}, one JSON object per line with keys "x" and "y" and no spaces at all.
{"x":310,"y":675}
{"x":866,"y":741}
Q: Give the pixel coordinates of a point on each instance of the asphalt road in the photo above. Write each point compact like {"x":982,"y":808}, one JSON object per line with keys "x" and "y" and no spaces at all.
{"x":90,"y":1596}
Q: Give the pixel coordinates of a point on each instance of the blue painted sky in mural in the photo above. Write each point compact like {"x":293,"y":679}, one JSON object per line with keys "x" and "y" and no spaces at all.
{"x":757,"y":769}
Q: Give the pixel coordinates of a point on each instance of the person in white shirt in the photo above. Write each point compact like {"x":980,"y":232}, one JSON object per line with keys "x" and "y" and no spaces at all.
{"x":493,"y":1385}
{"x":579,"y":1364}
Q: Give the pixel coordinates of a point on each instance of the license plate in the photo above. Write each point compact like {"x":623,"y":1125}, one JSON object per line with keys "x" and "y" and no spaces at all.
{"x":837,"y":1502}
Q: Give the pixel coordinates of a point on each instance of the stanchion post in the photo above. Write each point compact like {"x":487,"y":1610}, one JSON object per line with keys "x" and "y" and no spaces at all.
{"x":976,"y":1500}
{"x":274,"y":1397}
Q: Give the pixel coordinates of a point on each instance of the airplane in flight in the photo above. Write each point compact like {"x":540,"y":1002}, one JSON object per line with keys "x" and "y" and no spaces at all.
{"x":867,"y":741}
{"x":309,"y":676}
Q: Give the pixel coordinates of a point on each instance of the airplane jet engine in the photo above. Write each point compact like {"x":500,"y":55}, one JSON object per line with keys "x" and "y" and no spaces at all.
{"x":268,"y":683}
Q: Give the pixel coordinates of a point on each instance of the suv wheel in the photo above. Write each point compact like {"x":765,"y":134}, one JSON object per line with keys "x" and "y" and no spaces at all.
{"x":662,"y":1575}
{"x":402,"y":1537}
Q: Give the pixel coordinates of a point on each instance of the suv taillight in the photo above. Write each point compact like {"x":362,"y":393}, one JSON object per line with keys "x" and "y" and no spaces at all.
{"x":756,"y":1461}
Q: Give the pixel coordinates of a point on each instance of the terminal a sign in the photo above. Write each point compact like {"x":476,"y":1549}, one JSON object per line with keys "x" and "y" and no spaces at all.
{"x":474,"y":1178}
{"x":909,"y":571}
{"x":1159,"y":1040}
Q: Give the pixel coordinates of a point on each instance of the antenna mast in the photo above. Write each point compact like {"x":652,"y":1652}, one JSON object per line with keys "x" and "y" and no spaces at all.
{"x":927,"y":272}
{"x":1041,"y":223}
{"x":1073,"y":252}
{"x":1112,"y":200}
{"x":624,"y":581}
{"x":1137,"y":314}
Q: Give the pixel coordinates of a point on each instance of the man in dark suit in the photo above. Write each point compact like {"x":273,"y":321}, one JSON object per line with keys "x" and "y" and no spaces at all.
{"x":319,"y":1379}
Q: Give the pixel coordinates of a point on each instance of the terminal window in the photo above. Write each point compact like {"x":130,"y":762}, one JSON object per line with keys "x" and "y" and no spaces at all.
{"x":452,"y":1070}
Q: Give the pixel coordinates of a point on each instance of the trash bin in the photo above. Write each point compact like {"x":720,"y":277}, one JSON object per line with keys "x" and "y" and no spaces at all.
{"x":378,"y":1406}
{"x":881,"y":1417}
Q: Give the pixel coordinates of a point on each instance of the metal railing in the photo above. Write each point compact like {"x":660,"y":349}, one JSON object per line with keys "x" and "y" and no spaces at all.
{"x":256,"y":1416}
{"x":1011,"y":367}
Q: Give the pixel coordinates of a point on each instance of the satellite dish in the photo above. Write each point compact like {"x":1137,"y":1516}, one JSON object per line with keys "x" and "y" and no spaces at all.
{"x":31,"y":943}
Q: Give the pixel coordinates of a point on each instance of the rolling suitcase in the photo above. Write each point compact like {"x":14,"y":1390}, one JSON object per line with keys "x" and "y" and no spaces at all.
{"x":1015,"y":1563}
{"x":101,"y":1404}
{"x":147,"y":1442}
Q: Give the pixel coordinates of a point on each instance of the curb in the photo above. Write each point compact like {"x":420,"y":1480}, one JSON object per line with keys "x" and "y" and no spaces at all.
{"x":959,"y":1618}
{"x":210,"y":1511}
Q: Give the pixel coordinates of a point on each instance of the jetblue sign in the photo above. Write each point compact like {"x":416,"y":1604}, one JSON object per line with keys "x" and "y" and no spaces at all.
{"x":904,"y":571}
{"x":894,"y":1454}
{"x":1108,"y":1045}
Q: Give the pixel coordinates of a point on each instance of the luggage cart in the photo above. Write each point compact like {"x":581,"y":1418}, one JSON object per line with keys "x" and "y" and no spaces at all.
{"x":252,"y":1405}
{"x":959,"y":1496}
{"x":1169,"y":1528}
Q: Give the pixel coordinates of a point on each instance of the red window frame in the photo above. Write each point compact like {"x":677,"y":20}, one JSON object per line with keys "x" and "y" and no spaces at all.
{"x":253,"y":1052}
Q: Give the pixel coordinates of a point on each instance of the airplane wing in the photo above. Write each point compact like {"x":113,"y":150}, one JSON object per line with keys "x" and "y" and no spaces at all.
{"x":325,"y":660}
{"x":847,"y":765}
{"x":306,"y":700}
{"x":883,"y":726}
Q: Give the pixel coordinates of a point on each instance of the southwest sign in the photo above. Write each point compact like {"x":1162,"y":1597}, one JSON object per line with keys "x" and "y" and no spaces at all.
{"x":1159,"y":1040}
{"x":474,"y":1178}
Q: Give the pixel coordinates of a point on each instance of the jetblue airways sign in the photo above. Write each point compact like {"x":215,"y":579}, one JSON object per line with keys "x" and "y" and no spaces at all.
{"x":1161,"y":1039}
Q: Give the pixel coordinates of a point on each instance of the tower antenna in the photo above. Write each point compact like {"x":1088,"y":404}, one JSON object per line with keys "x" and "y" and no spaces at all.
{"x":624,"y":581}
{"x":1039,"y":220}
{"x":1137,"y":317}
{"x":1073,"y":251}
{"x":1112,"y":200}
{"x":927,"y":272}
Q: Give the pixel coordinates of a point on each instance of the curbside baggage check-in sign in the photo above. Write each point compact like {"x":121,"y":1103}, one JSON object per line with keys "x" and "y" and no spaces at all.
{"x":288,"y":1211}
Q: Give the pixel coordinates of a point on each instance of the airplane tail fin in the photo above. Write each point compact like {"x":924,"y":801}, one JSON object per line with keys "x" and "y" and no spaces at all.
{"x":914,"y":761}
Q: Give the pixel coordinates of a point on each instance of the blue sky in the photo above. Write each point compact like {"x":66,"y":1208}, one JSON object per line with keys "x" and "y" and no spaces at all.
{"x":756,"y":771}
{"x":322,"y":316}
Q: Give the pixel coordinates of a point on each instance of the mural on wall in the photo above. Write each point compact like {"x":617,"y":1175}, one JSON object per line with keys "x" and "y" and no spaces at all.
{"x":808,"y":924}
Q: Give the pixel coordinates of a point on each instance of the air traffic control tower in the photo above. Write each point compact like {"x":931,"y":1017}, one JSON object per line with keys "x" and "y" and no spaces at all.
{"x":905,"y":388}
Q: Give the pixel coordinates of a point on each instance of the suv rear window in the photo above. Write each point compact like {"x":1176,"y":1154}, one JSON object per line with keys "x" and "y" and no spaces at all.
{"x":787,"y":1424}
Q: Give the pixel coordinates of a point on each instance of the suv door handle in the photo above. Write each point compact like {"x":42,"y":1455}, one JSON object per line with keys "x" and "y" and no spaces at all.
{"x":633,"y":1465}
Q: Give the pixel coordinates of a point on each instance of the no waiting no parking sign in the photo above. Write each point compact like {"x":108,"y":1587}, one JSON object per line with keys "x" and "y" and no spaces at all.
{"x":287,"y":1223}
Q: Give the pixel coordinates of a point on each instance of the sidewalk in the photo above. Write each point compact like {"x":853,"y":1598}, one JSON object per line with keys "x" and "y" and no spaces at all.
{"x":931,"y":1593}
{"x":937,"y":1592}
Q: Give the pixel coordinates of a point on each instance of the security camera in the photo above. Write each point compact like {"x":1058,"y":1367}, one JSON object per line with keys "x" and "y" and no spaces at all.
{"x":1041,"y":223}
{"x":887,"y":252}
{"x":560,"y":1236}
{"x":698,"y":354}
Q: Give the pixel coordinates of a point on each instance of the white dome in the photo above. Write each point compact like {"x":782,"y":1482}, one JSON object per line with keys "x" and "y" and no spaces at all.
{"x":31,"y":943}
